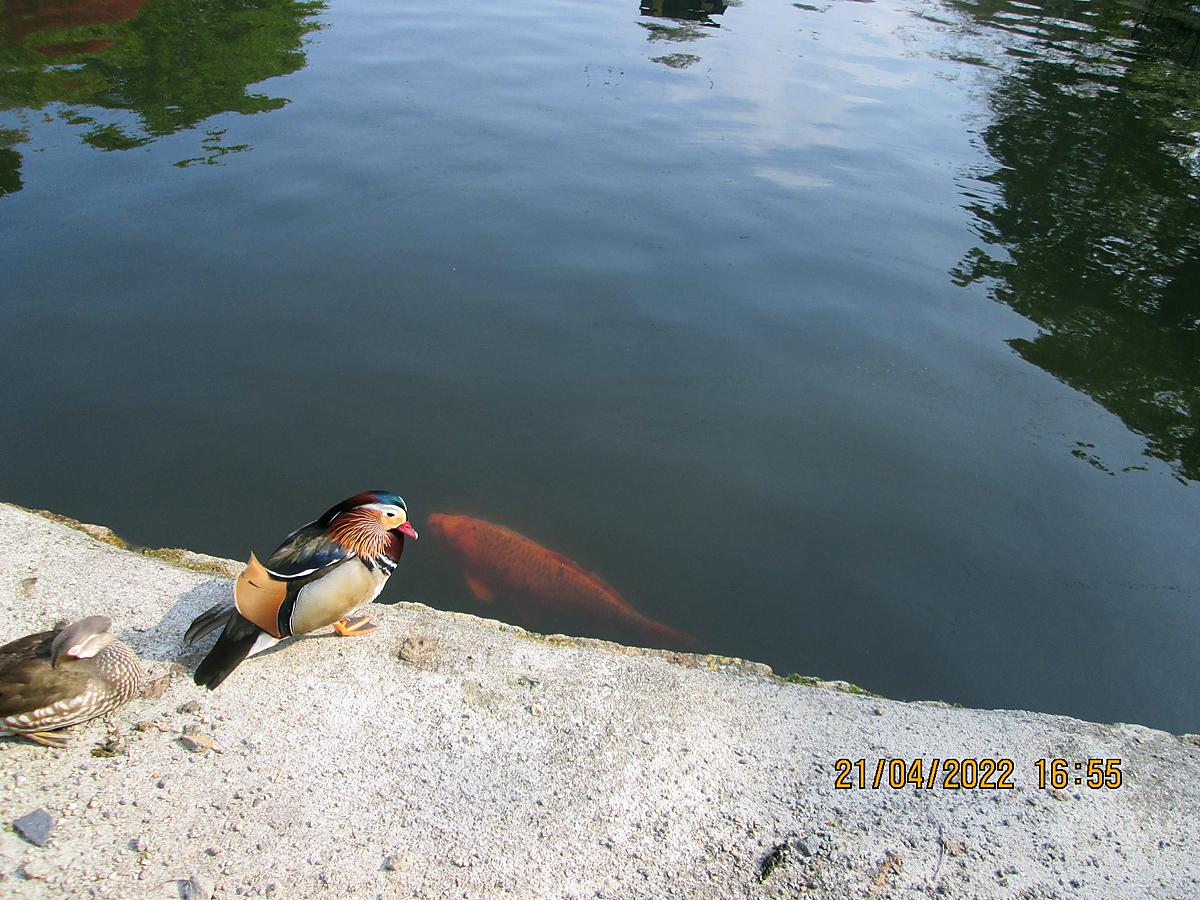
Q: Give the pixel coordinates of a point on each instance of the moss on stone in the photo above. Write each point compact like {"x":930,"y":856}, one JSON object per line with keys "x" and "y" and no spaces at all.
{"x":809,"y":680}
{"x":844,"y":686}
{"x":710,"y":661}
{"x":185,"y":559}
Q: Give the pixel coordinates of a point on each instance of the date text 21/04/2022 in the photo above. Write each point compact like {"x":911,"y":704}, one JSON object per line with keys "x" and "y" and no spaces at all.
{"x":969,"y":773}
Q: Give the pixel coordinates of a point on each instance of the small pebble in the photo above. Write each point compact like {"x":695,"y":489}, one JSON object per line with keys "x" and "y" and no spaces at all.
{"x":35,"y":870}
{"x":197,"y":742}
{"x":156,"y":687}
{"x":196,"y":888}
{"x":190,"y":708}
{"x":35,"y":827}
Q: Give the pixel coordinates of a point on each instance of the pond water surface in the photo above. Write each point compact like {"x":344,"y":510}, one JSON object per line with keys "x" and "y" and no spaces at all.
{"x":857,"y":338}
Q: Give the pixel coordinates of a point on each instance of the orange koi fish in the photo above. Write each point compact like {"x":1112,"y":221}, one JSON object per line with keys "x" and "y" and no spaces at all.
{"x":497,"y":561}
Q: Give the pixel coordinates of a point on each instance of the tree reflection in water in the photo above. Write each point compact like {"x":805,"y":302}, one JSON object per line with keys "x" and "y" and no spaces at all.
{"x":170,"y":63}
{"x":687,"y":20}
{"x":1090,"y":218}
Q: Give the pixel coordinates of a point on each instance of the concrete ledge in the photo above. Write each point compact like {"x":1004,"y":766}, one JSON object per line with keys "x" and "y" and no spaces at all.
{"x":447,"y":755}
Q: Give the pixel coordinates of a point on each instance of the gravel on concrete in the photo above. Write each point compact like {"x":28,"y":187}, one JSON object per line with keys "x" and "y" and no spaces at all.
{"x":450,"y":756}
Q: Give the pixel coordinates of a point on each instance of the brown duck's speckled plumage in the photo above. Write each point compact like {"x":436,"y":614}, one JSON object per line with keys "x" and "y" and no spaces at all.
{"x":36,"y":696}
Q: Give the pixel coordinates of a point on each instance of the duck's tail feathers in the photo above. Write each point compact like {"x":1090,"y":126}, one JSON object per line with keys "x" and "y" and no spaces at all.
{"x":231,"y":648}
{"x":208,"y":621}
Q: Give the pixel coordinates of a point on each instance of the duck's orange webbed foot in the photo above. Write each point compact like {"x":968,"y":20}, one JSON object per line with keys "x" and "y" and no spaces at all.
{"x":354,"y":625}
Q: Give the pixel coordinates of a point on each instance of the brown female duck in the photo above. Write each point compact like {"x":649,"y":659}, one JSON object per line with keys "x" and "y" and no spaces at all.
{"x":55,"y":679}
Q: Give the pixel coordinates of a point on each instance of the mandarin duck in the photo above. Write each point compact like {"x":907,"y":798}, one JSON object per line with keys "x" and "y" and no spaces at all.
{"x":55,"y":679}
{"x":319,"y":574}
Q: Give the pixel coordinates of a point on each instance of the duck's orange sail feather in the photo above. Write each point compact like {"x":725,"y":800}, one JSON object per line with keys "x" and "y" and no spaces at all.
{"x":258,"y":596}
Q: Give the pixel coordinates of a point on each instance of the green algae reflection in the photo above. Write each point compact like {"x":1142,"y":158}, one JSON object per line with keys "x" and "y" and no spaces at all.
{"x":125,"y":72}
{"x":1090,"y":215}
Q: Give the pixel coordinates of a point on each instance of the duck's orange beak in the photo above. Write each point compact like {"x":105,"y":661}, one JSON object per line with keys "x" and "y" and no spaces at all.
{"x":407,"y":529}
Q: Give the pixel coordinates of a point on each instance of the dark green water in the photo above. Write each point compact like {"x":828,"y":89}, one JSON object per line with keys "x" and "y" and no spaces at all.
{"x":859,"y":338}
